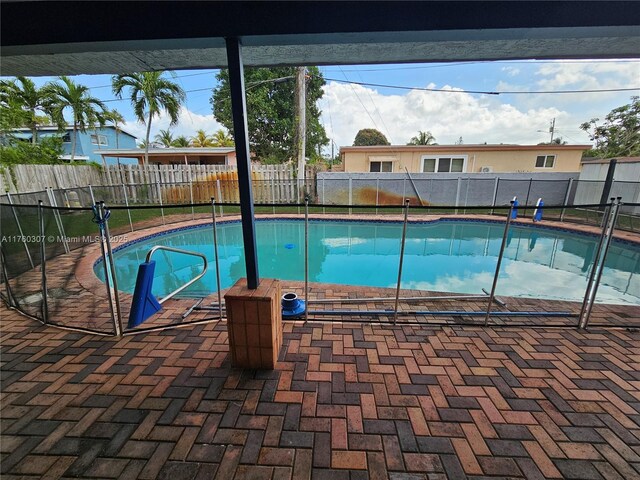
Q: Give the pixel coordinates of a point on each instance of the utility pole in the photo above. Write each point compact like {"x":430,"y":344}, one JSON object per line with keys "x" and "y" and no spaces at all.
{"x":301,"y":94}
{"x":552,"y":129}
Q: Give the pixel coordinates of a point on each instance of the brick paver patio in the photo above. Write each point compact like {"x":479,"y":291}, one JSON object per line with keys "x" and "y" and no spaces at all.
{"x":348,"y":401}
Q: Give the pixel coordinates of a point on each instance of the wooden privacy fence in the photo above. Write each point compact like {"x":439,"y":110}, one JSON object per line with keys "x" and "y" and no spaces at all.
{"x":33,"y":178}
{"x":164,"y":184}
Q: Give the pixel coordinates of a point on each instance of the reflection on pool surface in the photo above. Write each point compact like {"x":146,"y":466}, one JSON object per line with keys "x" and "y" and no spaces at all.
{"x":446,"y":256}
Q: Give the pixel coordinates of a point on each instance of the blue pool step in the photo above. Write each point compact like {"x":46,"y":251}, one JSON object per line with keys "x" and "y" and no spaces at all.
{"x":144,"y":303}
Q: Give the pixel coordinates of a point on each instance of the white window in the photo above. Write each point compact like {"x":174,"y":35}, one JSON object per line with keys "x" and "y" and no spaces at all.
{"x":380,"y":166}
{"x":98,"y":139}
{"x":545,"y":161}
{"x":449,"y":164}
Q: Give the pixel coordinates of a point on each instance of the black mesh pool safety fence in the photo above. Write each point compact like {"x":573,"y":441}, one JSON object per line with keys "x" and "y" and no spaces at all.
{"x":55,"y":255}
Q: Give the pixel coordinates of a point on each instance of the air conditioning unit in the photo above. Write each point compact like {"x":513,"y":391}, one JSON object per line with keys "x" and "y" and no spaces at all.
{"x":486,"y":169}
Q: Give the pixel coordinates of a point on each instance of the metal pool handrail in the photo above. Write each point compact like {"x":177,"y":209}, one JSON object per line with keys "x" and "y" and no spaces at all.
{"x":186,"y":252}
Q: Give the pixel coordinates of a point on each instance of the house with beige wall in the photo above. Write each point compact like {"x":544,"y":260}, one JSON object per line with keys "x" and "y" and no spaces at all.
{"x":463,"y":158}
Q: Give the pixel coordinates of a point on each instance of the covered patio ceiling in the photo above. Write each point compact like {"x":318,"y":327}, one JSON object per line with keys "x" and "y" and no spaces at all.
{"x":53,"y":38}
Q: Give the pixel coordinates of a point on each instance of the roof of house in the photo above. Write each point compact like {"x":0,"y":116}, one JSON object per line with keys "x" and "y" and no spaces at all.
{"x":51,"y":128}
{"x":164,"y":152}
{"x":461,"y":148}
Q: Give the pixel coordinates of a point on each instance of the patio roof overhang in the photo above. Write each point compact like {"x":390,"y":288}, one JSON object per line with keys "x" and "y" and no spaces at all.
{"x":51,"y":38}
{"x":165,"y":152}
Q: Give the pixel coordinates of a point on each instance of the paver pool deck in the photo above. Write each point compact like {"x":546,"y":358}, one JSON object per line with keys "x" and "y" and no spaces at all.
{"x":347,"y":401}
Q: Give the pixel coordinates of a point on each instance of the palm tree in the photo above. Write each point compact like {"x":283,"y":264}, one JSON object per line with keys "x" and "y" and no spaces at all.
{"x":150,"y":93}
{"x":181,"y":141}
{"x":115,"y":118}
{"x":27,"y":102}
{"x":86,"y":110}
{"x":165,"y":138}
{"x":201,"y":139}
{"x":222,"y":139}
{"x":423,"y":138}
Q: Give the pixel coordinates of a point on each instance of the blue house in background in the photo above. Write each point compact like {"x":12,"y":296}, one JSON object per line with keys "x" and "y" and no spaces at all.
{"x":88,"y":144}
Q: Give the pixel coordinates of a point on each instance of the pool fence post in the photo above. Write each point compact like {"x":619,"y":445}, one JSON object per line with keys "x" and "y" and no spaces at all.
{"x":404,"y":189}
{"x":112,"y":266}
{"x":215,"y":253}
{"x":495,"y":194}
{"x":219,"y":193}
{"x":458,"y":194}
{"x":126,"y":202}
{"x":98,"y":214}
{"x":193,"y":213}
{"x":273,"y":193}
{"x":501,"y":254}
{"x":377,"y":193}
{"x":66,"y":196}
{"x":22,"y":237}
{"x":43,"y":264}
{"x":93,"y":198}
{"x":611,"y":216}
{"x":526,"y":202}
{"x":306,"y":257}
{"x":324,"y":210}
{"x":160,"y":200}
{"x":56,"y":215}
{"x":298,"y":193}
{"x":566,"y":199}
{"x":402,"y":243}
{"x":350,"y":193}
{"x":5,"y":274}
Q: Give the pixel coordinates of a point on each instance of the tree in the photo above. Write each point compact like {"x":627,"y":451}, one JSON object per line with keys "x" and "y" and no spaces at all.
{"x":181,"y":142}
{"x":86,"y":110}
{"x":47,"y":151}
{"x":201,"y":139}
{"x":271,"y":111}
{"x":223,"y":139}
{"x":24,"y":104}
{"x":423,"y":138}
{"x":150,"y":93}
{"x":619,"y":134}
{"x":116,"y":119}
{"x":370,"y":136}
{"x":556,"y":141}
{"x":165,"y":138}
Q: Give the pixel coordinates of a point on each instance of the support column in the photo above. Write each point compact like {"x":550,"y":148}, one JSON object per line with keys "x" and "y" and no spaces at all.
{"x":241,"y":136}
{"x":608,"y":182}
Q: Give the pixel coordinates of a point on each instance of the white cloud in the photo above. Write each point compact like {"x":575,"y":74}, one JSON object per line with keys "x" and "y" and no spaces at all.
{"x":448,"y":116}
{"x":511,"y":71}
{"x":187,"y":125}
{"x":588,"y":75}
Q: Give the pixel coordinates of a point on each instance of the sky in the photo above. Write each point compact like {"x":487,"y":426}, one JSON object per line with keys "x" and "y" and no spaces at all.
{"x":520,"y":118}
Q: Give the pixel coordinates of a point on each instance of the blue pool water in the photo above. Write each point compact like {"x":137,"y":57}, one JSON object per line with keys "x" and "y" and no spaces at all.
{"x":445,"y":256}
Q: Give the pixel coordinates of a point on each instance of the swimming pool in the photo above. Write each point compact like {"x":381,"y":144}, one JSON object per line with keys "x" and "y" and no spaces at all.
{"x":446,"y":256}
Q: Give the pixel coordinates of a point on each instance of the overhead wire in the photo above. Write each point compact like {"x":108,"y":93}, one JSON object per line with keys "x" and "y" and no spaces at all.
{"x":359,"y":100}
{"x":481,"y":92}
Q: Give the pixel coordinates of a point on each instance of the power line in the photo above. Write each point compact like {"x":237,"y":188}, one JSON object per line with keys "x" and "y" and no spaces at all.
{"x":358,"y":97}
{"x":186,"y":91}
{"x":483,"y":92}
